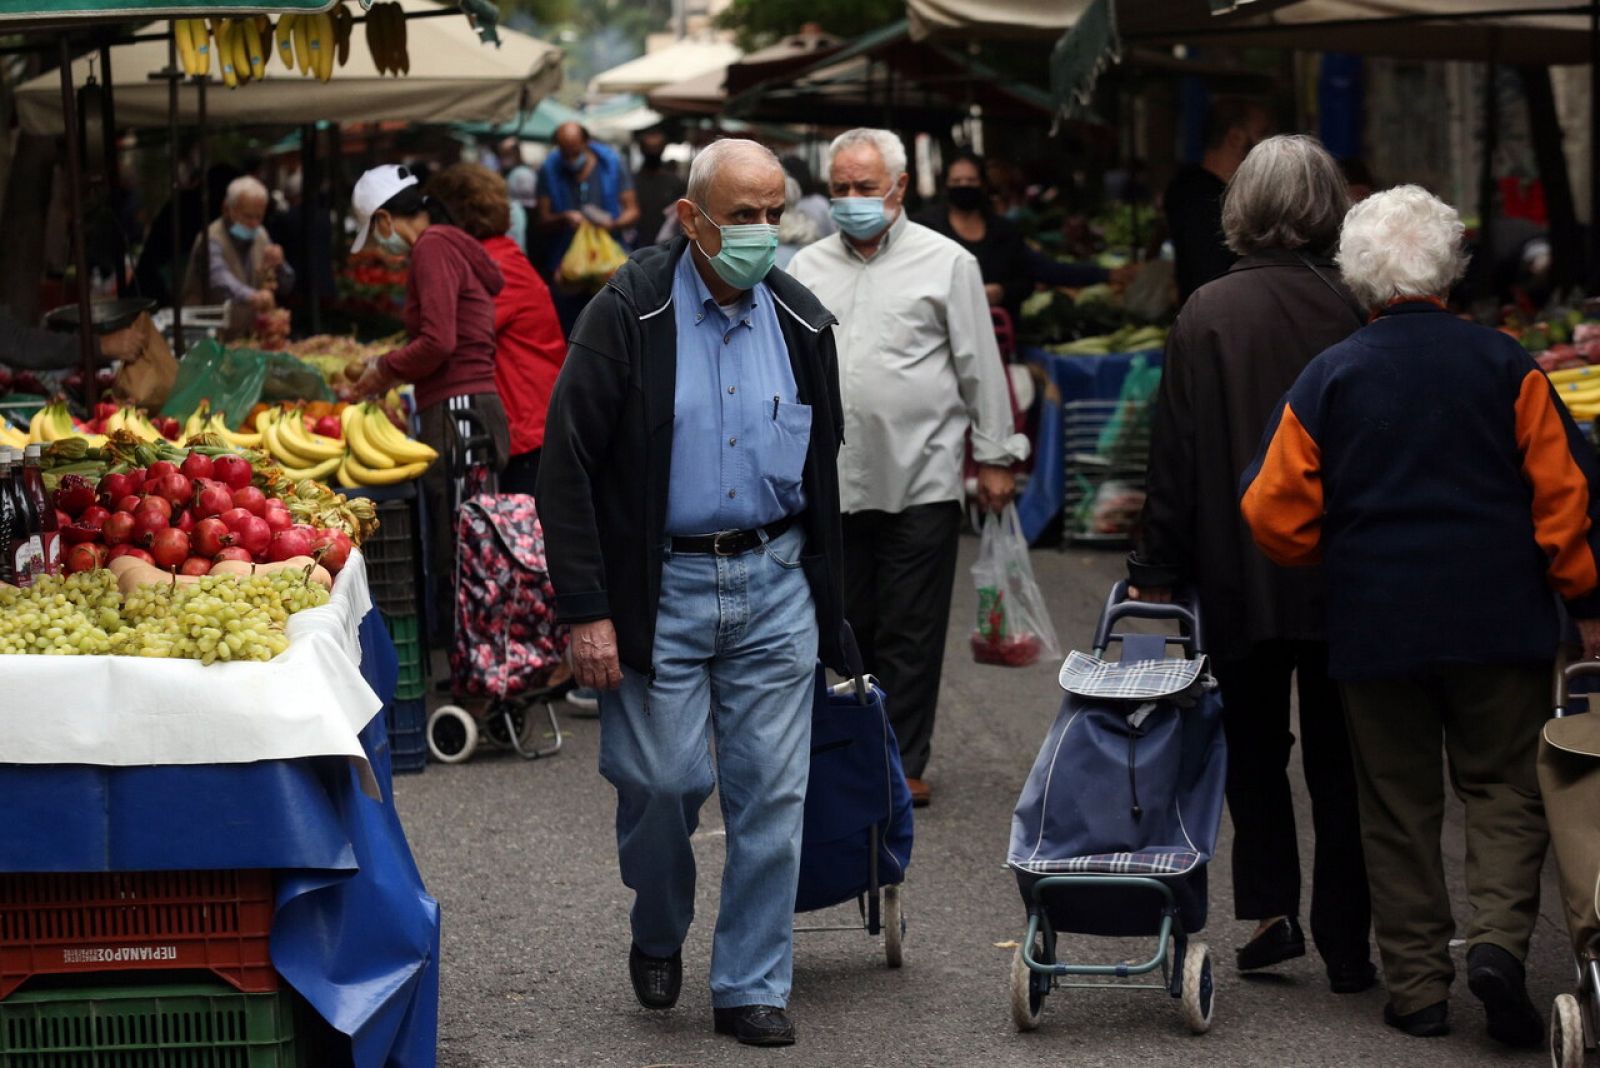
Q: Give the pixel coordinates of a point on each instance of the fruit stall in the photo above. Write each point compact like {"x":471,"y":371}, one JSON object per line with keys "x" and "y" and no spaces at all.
{"x":197,"y":745}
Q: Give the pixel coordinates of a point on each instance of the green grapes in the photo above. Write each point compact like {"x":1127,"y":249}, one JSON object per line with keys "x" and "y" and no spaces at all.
{"x":217,"y":618}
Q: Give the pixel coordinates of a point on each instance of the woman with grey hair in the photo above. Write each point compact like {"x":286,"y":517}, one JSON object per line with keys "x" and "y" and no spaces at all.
{"x":1239,"y":342}
{"x":1426,"y":464}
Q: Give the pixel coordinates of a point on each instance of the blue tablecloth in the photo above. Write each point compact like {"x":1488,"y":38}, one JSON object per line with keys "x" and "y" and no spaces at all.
{"x":1072,"y":378}
{"x":355,"y":931}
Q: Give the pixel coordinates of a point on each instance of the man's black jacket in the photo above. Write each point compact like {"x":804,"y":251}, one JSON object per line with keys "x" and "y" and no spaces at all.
{"x":607,"y":453}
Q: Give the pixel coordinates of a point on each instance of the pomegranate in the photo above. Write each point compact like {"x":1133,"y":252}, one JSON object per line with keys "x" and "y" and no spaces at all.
{"x":184,"y":520}
{"x":195,"y":565}
{"x":196,"y":465}
{"x":234,"y":470}
{"x":170,"y":548}
{"x":115,"y":487}
{"x":235,"y":552}
{"x":62,"y":519}
{"x":85,"y":556}
{"x":334,"y":546}
{"x":211,"y":536}
{"x":235,"y":517}
{"x":214,"y":500}
{"x":147,"y":523}
{"x":94,"y":516}
{"x":117,"y":529}
{"x":254,"y":535}
{"x":289,"y":543}
{"x":278,"y":520}
{"x":330,"y":427}
{"x":77,"y":533}
{"x":136,"y":479}
{"x":159,"y":503}
{"x":175,"y":488}
{"x":128,"y":503}
{"x":159,"y":470}
{"x":251,"y":498}
{"x":74,"y":493}
{"x":130,"y":550}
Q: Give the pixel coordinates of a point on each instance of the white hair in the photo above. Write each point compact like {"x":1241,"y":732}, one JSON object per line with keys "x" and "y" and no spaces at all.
{"x":1404,"y":242}
{"x":795,"y":228}
{"x":886,"y":142}
{"x":244,"y":188}
{"x":703,"y":171}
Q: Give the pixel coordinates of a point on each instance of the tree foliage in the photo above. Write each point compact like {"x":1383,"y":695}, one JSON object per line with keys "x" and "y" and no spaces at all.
{"x":760,"y":22}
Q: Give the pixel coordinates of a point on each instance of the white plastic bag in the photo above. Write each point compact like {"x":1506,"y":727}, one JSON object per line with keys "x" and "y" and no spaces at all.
{"x":1013,"y":627}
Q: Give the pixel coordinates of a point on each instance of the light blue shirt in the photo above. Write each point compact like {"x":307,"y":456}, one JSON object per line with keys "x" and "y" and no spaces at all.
{"x":739,"y":433}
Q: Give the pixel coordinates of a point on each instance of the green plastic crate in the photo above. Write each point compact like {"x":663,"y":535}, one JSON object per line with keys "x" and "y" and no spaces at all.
{"x":406,"y":632}
{"x":195,"y":1026}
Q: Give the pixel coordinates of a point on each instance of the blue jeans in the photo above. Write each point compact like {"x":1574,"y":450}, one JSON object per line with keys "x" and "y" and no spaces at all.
{"x":735,"y":657}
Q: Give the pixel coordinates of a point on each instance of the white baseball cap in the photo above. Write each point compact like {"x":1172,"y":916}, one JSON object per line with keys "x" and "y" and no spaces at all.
{"x":372,"y":192}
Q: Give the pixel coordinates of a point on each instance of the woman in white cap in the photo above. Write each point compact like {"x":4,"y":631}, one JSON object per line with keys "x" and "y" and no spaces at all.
{"x":449,"y":318}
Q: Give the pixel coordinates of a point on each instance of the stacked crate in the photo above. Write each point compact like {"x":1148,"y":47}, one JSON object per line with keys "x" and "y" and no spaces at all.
{"x":73,"y":941}
{"x":395,"y":577}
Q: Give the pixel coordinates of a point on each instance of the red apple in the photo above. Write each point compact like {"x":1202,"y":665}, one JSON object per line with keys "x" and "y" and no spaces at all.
{"x":251,"y":498}
{"x":235,"y":552}
{"x":130,"y":550}
{"x":234,"y":470}
{"x":170,"y":547}
{"x":214,"y":500}
{"x":85,"y":556}
{"x":330,"y":427}
{"x":157,"y":502}
{"x":196,"y":465}
{"x":195,"y":565}
{"x":74,"y":493}
{"x":211,"y":536}
{"x":117,"y":529}
{"x":279,"y":520}
{"x":289,"y":543}
{"x":147,"y":523}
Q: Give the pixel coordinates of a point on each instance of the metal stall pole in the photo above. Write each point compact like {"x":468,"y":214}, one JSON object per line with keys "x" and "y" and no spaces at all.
{"x":113,"y":174}
{"x":310,"y":198}
{"x":1594,"y":149}
{"x":201,"y":84}
{"x":80,"y":248}
{"x":175,"y":157}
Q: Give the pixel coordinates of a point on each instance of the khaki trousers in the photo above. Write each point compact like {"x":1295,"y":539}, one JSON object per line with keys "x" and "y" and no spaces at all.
{"x":1486,"y":720}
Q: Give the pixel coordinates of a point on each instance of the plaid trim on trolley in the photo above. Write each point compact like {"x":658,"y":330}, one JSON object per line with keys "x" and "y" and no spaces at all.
{"x":1141,"y":680}
{"x":1145,"y":862}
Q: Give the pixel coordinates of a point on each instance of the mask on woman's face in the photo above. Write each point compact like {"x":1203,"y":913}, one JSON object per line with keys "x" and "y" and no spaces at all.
{"x":392,"y":242}
{"x":965,"y":197}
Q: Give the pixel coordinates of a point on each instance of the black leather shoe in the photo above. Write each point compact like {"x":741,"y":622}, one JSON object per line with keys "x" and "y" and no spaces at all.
{"x":755,"y":1025}
{"x":1497,"y":979}
{"x":1430,"y":1022}
{"x":1352,"y":978}
{"x":1282,"y":941}
{"x":656,"y":980}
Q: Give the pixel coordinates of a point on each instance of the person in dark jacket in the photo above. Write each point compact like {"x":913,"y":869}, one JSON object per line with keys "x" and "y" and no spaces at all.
{"x":1193,"y":200}
{"x":967,"y":217}
{"x":450,"y":322}
{"x":1427,"y":463}
{"x":1237,"y":345}
{"x":689,"y":494}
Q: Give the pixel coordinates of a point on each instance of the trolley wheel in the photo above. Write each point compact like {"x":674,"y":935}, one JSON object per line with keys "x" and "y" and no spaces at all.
{"x":894,"y":927}
{"x":525,"y":726}
{"x":1566,"y":1033}
{"x":1028,"y":989}
{"x":1199,"y":993}
{"x":452,"y":734}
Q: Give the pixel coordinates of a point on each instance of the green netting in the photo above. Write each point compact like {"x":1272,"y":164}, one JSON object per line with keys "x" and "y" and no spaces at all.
{"x":233,"y":380}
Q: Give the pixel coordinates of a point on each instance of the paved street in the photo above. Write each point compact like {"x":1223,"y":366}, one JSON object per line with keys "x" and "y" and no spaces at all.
{"x":521,"y":859}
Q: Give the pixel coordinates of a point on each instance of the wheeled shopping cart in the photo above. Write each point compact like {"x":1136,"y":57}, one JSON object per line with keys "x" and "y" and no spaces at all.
{"x":1119,"y":816}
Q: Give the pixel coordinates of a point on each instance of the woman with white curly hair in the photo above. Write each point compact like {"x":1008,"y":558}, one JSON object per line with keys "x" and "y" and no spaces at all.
{"x":1426,"y":463}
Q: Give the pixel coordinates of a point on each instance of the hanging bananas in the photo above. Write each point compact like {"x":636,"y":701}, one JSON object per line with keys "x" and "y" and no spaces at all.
{"x":386,"y":38}
{"x":343,"y":24}
{"x":194,"y":46}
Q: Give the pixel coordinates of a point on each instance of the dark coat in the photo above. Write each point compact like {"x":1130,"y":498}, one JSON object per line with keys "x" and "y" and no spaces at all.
{"x":1238,"y":345}
{"x":607,"y":454}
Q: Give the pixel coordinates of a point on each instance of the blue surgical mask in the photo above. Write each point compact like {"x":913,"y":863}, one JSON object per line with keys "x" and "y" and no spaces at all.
{"x":748,"y":252}
{"x":573,"y":166}
{"x":392,"y":243}
{"x":242,"y":232}
{"x":860,"y":217}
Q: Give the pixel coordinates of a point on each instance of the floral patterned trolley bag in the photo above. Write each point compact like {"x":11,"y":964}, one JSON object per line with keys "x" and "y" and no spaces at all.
{"x":507,"y":641}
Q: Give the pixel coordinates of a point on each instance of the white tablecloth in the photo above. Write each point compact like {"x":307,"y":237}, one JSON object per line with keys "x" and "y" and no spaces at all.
{"x":125,"y":711}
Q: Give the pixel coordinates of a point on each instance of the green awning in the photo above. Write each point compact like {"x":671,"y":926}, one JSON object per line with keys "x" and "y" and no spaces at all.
{"x":49,"y":11}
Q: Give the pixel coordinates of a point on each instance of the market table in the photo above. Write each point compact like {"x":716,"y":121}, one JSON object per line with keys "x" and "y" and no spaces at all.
{"x":1073,"y":378}
{"x":354,"y":931}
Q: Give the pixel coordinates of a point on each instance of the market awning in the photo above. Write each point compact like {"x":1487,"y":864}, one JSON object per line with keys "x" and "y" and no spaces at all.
{"x":705,"y":94}
{"x":454,"y":77}
{"x":685,"y":59}
{"x":12,"y":11}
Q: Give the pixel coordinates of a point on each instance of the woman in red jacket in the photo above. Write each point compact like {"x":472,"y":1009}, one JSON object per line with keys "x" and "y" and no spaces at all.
{"x":529,"y":345}
{"x":450,"y":320}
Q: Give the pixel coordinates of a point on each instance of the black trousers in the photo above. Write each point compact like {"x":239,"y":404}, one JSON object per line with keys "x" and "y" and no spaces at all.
{"x":521,"y":474}
{"x":899,"y":572}
{"x":1266,"y":856}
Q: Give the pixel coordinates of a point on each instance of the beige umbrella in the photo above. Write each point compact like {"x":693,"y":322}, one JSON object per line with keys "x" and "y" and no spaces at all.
{"x":684,"y":59}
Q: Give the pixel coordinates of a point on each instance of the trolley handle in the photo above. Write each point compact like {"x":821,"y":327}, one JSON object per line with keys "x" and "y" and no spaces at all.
{"x":1566,"y":674}
{"x":1184,"y":610}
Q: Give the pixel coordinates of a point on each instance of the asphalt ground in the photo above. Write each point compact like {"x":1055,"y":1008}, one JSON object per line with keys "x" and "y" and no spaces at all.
{"x":521,"y":858}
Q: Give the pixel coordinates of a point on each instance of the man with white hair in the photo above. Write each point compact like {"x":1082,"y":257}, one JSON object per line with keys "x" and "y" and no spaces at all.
{"x":688,"y":493}
{"x":920,"y":368}
{"x":244,"y":265}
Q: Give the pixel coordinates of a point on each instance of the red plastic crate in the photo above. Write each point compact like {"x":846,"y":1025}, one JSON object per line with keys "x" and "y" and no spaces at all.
{"x":218,"y":921}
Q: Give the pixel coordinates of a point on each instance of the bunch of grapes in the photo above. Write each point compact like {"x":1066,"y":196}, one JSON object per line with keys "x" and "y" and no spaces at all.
{"x":60,"y":616}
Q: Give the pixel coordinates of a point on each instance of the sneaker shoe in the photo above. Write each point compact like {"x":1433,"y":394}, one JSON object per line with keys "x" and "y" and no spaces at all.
{"x":1497,"y":979}
{"x":585,"y":700}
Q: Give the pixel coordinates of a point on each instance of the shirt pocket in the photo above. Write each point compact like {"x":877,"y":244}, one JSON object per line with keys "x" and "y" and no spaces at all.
{"x":788,"y":441}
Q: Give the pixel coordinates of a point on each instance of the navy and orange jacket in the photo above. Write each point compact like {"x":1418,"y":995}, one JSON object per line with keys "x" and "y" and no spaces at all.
{"x":1427,"y":464}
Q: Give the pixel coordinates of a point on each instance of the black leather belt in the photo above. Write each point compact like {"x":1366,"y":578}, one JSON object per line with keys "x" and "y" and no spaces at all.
{"x":731,"y":542}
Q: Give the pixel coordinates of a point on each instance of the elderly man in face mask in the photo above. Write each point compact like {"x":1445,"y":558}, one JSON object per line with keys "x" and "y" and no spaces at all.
{"x":687,"y":488}
{"x":920,"y":367}
{"x":241,"y":264}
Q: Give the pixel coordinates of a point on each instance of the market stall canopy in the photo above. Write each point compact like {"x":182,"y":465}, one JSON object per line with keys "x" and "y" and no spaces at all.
{"x":453,"y":77}
{"x":707,"y":93}
{"x":685,"y":59}
{"x":64,"y":11}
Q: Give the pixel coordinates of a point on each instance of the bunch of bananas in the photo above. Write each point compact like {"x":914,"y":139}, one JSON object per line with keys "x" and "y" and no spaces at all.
{"x":379,"y":454}
{"x":311,"y":42}
{"x":194,"y":46}
{"x":239,"y":49}
{"x":51,"y":423}
{"x":386,"y":38}
{"x":205,"y":421}
{"x":297,"y":450}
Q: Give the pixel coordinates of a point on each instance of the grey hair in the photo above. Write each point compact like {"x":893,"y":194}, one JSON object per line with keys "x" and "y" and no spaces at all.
{"x":703,"y":171}
{"x":243,"y":187}
{"x":1404,"y":242}
{"x":1287,"y":194}
{"x":795,"y":228}
{"x":886,"y":142}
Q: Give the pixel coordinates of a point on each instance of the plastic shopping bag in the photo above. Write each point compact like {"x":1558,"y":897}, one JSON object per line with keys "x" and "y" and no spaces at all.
{"x":593,"y":257}
{"x":1013,"y":627}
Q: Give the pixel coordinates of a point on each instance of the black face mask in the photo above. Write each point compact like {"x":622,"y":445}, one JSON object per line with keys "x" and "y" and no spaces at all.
{"x":965,"y":197}
{"x":652,"y":159}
